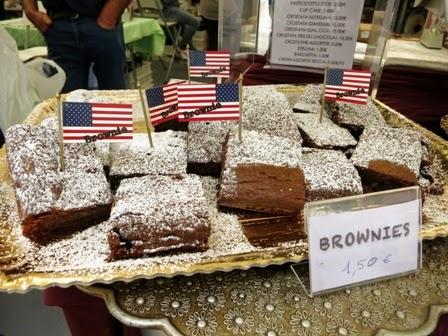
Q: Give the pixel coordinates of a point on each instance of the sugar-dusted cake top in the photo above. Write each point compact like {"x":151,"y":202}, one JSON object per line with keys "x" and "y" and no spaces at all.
{"x":399,"y":146}
{"x":329,"y":173}
{"x":357,"y":115}
{"x":33,"y":156}
{"x":264,"y":110}
{"x":261,"y":148}
{"x":167,"y":157}
{"x":326,"y":135}
{"x":267,"y":110}
{"x":312,"y":95}
{"x":160,"y":203}
{"x":206,"y":140}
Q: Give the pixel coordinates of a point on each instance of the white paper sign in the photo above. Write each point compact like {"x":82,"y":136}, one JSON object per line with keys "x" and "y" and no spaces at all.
{"x":351,"y":247}
{"x":315,"y":33}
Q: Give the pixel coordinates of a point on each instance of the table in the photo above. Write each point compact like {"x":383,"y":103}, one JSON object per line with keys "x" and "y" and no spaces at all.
{"x":142,"y":35}
{"x":257,"y":301}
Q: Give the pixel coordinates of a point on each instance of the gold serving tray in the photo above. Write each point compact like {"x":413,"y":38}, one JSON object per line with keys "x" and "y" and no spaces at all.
{"x":435,"y":224}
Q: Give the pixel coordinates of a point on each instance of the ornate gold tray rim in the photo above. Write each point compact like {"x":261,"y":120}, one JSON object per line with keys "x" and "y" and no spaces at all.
{"x":164,"y":324}
{"x":21,"y":283}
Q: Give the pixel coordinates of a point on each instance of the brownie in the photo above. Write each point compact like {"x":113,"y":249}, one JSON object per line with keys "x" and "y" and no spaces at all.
{"x":325,"y":135}
{"x":138,"y":158}
{"x":53,"y":203}
{"x":310,"y":100}
{"x":388,"y":158}
{"x":156,"y":214}
{"x":262,"y":173}
{"x":205,"y":143}
{"x":264,"y":110}
{"x":329,"y":174}
{"x":356,"y":117}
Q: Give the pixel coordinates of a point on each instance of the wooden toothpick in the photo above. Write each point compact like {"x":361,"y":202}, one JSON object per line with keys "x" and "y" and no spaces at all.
{"x":61,"y":133}
{"x":322,"y":103}
{"x":188,"y":63}
{"x":240,"y":123}
{"x":145,"y":113}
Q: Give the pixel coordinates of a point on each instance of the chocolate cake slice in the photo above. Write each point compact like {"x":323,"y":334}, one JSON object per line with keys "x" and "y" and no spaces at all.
{"x":155,"y":214}
{"x":138,"y":158}
{"x":329,"y":174}
{"x":262,"y":173}
{"x":388,"y":158}
{"x":53,"y":203}
{"x":356,"y":117}
{"x":325,"y":135}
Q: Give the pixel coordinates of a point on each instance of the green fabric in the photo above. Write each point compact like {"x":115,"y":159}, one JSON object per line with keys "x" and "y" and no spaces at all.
{"x":17,"y":29}
{"x":143,"y":35}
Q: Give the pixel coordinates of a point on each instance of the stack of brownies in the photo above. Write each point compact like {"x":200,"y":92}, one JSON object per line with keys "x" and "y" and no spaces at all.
{"x":153,"y":196}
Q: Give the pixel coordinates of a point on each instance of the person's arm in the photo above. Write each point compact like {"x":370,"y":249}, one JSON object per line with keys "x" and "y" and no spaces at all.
{"x":111,"y":12}
{"x":39,"y":19}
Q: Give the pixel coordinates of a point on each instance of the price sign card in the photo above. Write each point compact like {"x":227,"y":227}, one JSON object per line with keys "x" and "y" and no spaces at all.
{"x":315,"y":33}
{"x":359,"y":239}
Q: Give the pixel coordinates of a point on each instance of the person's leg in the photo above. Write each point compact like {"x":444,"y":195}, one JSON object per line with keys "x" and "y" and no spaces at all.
{"x":63,"y":43}
{"x":2,"y":9}
{"x":211,"y":26}
{"x":188,"y":22}
{"x":86,"y":315}
{"x":107,"y":51}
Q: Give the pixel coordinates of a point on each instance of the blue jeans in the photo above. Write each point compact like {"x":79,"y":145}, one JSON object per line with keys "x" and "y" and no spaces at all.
{"x":75,"y":44}
{"x":189,"y":24}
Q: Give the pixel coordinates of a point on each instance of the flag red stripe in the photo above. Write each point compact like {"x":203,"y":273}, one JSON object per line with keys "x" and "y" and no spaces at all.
{"x":114,"y":137}
{"x":111,"y":119}
{"x":210,"y":119}
{"x":104,"y":105}
{"x":161,"y":121}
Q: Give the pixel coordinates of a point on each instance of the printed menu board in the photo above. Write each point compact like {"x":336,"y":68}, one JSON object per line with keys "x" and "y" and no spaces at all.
{"x":314,"y":34}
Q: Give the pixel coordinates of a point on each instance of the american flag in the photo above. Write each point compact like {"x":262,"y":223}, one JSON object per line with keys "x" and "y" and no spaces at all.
{"x":91,"y":119}
{"x":193,"y":98}
{"x":202,"y":62}
{"x":162,"y":103}
{"x":348,"y":86}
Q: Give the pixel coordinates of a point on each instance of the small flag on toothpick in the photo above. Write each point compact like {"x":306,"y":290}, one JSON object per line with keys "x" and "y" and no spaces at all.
{"x":240,"y":122}
{"x":209,"y":64}
{"x":61,"y":133}
{"x":145,"y":114}
{"x":162,"y":103}
{"x":90,"y":122}
{"x":209,"y":102}
{"x":349,"y":86}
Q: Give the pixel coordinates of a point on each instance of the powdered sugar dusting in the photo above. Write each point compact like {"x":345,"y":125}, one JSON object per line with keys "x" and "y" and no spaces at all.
{"x":227,"y":234}
{"x":325,"y":134}
{"x":329,"y":174}
{"x":398,"y":146}
{"x":267,"y":110}
{"x":167,"y":157}
{"x":356,"y":116}
{"x":162,"y":203}
{"x":264,"y":110}
{"x":310,"y":100}
{"x":33,"y":155}
{"x":206,"y":140}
